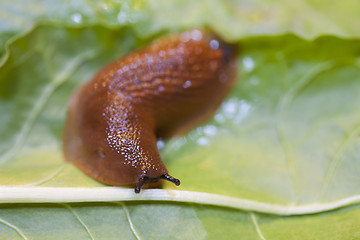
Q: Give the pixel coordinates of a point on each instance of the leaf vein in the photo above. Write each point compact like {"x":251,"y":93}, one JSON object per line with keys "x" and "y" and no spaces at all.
{"x":79,"y":219}
{"x":13,"y":194}
{"x":48,"y":178}
{"x":131,"y":224}
{"x":257,"y":227}
{"x":281,"y":109}
{"x":336,"y":160}
{"x":16,"y":229}
{"x":41,"y":102}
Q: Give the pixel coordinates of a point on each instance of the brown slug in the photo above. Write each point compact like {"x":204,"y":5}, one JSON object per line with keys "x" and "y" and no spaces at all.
{"x":114,"y":120}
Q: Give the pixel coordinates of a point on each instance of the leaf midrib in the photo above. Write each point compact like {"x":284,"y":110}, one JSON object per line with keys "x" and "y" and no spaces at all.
{"x":16,"y":194}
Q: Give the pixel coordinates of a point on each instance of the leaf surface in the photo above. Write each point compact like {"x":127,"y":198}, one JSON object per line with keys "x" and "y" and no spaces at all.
{"x":288,"y":135}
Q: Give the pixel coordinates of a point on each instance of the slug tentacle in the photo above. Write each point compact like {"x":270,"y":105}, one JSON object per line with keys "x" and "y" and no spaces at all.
{"x":160,"y":91}
{"x":171,"y":179}
{"x":144,"y":179}
{"x":141,"y":183}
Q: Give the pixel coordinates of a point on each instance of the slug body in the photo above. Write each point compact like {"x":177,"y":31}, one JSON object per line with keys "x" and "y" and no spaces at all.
{"x":114,"y":120}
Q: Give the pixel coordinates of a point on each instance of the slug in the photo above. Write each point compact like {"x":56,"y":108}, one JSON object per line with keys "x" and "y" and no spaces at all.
{"x":163,"y":90}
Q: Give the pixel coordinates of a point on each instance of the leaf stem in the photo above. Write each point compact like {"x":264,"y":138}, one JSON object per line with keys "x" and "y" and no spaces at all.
{"x":11,"y":194}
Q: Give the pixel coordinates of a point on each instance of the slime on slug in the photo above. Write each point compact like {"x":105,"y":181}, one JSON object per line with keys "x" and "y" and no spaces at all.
{"x":163,"y":90}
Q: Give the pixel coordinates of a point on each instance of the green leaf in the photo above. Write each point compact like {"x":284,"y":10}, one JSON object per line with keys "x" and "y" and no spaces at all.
{"x":233,"y":18}
{"x":286,"y":141}
{"x":290,"y":130}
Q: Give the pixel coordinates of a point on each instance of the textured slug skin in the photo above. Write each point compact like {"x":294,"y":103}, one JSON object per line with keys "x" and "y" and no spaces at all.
{"x":165,"y":89}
